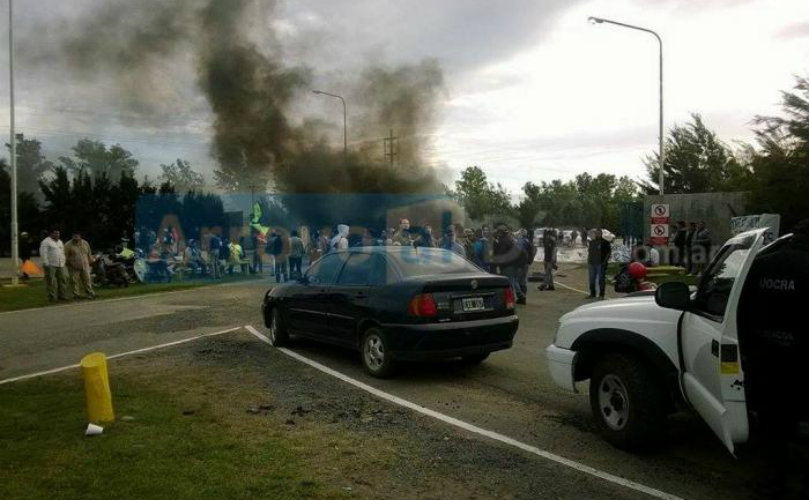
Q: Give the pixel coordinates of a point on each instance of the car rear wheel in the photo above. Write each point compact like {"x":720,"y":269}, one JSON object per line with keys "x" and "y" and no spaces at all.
{"x":375,"y":354}
{"x":628,"y":402}
{"x":278,"y":334}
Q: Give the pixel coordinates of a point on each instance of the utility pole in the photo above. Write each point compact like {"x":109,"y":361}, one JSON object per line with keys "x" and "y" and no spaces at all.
{"x":15,"y":244}
{"x":391,"y":148}
{"x":662,"y":151}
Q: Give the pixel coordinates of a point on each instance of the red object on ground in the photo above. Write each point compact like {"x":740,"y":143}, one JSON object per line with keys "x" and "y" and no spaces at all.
{"x":637,"y":270}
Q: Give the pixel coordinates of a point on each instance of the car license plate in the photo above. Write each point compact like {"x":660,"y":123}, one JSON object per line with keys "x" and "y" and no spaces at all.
{"x":473,"y":304}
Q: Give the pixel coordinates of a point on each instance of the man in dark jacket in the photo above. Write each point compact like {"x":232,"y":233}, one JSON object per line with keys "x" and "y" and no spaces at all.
{"x":549,"y":248}
{"x":598,"y":255}
{"x":774,"y":344}
{"x":508,"y":256}
{"x":279,"y":247}
{"x":701,"y":248}
{"x":689,"y":240}
{"x":679,"y":244}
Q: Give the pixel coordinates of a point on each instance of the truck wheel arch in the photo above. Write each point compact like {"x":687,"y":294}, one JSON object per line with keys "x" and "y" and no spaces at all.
{"x":594,"y":344}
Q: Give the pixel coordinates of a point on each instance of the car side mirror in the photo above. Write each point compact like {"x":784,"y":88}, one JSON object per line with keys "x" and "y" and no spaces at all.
{"x":673,"y":295}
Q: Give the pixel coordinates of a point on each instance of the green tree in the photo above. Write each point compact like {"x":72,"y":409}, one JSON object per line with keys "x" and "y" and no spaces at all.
{"x":696,"y":162}
{"x":31,"y":164}
{"x":529,"y":208}
{"x":95,"y":158}
{"x":781,"y":164}
{"x":585,"y":201}
{"x":28,"y":216}
{"x":180,"y":175}
{"x":480,"y":197}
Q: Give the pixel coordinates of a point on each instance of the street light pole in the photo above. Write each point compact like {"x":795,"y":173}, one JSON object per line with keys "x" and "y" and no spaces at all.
{"x":661,"y":153}
{"x":15,"y":245}
{"x":345,"y":123}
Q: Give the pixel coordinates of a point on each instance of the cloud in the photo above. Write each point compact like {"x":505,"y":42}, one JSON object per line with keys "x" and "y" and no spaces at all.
{"x":797,"y":30}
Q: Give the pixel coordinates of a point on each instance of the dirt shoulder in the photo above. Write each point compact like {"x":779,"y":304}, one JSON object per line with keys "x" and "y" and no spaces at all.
{"x":230,"y":417}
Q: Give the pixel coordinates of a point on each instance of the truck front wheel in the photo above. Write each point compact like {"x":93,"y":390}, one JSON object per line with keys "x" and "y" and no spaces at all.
{"x":628,"y":402}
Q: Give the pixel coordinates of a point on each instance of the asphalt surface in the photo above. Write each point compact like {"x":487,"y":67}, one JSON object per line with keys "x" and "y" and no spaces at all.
{"x":511,"y":393}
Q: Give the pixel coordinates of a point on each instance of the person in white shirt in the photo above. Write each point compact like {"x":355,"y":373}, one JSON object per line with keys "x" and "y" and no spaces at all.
{"x":340,"y":240}
{"x":52,"y":253}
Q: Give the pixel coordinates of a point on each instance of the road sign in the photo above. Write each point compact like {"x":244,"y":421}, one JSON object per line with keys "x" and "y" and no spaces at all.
{"x":660,"y":231}
{"x":660,"y":210}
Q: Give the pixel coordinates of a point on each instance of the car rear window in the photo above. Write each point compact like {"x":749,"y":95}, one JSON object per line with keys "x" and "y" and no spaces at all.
{"x":423,"y":261}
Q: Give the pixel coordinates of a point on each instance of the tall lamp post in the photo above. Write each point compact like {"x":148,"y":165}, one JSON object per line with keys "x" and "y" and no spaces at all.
{"x":661,"y":154}
{"x":15,"y":245}
{"x":345,"y":128}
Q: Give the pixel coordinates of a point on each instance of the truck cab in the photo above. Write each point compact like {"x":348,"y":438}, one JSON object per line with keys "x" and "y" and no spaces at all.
{"x":645,"y":354}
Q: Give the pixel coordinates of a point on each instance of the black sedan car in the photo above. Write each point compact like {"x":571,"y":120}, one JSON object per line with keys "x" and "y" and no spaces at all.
{"x":396,"y":304}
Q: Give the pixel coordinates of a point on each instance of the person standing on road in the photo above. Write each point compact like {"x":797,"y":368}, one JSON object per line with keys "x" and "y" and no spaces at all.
{"x":79,"y":259}
{"x":52,"y":252}
{"x":451,"y":243}
{"x":528,"y":250}
{"x":508,"y":256}
{"x":549,"y":249}
{"x":402,"y":236}
{"x":689,"y":240}
{"x":483,"y":249}
{"x":236,"y":256}
{"x":701,"y":247}
{"x":598,"y":255}
{"x":296,"y":253}
{"x":340,"y":240}
{"x":425,"y":238}
{"x":279,"y":247}
{"x":679,"y":244}
{"x":773,"y":344}
{"x":468,"y":243}
{"x":214,"y":253}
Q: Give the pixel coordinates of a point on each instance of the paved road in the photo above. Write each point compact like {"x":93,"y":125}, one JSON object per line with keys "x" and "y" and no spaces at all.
{"x":510,"y":393}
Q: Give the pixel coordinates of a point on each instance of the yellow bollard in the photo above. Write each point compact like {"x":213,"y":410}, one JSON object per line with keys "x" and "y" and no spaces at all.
{"x":97,"y":387}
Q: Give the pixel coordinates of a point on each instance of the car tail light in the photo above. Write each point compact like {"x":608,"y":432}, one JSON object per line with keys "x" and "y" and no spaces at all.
{"x":509,"y":296}
{"x":422,"y":305}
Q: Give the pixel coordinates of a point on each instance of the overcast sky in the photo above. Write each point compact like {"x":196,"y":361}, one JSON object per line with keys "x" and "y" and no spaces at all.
{"x":533,"y":91}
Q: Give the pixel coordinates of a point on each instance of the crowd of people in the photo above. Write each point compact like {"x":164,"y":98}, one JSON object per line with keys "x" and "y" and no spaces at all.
{"x":69,"y":267}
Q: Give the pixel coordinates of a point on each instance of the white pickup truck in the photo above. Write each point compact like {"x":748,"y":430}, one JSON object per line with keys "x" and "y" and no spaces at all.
{"x":647,"y":352}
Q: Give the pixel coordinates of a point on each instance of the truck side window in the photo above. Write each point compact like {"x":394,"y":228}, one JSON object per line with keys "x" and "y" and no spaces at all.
{"x":717,"y":282}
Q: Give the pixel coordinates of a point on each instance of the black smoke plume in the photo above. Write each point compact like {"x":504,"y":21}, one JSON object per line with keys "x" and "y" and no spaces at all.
{"x":250,"y":89}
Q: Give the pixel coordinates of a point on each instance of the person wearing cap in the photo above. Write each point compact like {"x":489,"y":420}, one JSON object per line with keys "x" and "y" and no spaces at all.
{"x":52,"y":252}
{"x":79,"y":259}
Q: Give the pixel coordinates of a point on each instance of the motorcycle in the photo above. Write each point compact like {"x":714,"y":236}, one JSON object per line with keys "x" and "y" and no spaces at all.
{"x":107,"y":272}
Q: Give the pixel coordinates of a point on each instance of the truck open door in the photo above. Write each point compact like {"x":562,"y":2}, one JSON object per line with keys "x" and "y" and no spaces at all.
{"x":712,"y":377}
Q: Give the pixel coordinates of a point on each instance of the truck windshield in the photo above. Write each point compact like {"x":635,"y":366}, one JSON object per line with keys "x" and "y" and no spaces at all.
{"x":717,"y":282}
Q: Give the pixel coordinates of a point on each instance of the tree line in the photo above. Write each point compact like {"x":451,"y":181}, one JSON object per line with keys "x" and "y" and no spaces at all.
{"x":774,"y":172}
{"x":96,"y":191}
